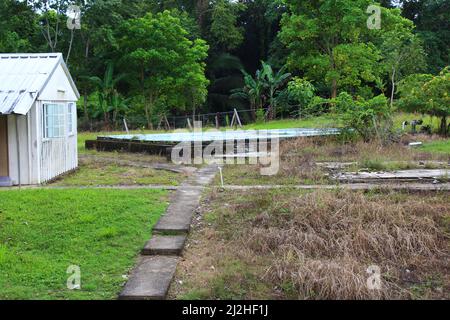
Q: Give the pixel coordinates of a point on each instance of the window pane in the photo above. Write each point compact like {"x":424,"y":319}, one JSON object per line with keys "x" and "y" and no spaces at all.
{"x":70,"y":115}
{"x":54,"y":120}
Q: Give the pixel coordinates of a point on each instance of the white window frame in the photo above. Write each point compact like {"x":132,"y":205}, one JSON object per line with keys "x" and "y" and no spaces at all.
{"x":60,"y":121}
{"x":71,"y":123}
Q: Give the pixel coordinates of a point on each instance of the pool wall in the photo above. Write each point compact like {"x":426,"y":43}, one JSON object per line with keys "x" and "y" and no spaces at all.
{"x":163,"y":144}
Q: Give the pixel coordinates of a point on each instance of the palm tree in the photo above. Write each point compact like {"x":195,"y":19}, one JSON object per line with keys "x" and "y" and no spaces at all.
{"x":119,"y":105}
{"x":253,"y":91}
{"x":273,"y":82}
{"x":107,"y":93}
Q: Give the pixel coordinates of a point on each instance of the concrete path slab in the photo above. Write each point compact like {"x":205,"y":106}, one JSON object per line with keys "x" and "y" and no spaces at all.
{"x":419,"y":174}
{"x":151,"y":278}
{"x":164,"y":246}
{"x":354,"y":186}
{"x":179,"y":214}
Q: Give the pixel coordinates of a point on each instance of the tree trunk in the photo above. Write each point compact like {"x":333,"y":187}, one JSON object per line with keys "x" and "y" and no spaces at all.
{"x":148,"y":111}
{"x":334,"y":89}
{"x":69,"y":51}
{"x":393,"y":87}
{"x":333,"y":67}
{"x":253,"y":108}
{"x":106,"y":120}
{"x":444,"y":129}
{"x":147,"y":108}
{"x":201,"y":7}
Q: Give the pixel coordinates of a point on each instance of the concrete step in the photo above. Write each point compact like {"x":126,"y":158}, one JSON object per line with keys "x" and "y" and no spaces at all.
{"x":164,"y":246}
{"x":151,"y":278}
{"x":178,"y":216}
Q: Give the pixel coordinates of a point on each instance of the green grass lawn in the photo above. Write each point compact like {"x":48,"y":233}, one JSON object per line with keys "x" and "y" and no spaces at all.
{"x":438,"y":147}
{"x":331,"y":121}
{"x":314,"y":122}
{"x":43,"y":232}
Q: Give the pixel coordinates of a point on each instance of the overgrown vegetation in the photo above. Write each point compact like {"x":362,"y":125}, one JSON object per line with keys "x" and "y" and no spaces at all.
{"x":428,"y":94}
{"x":302,"y":161}
{"x":318,"y":245}
{"x":151,"y":61}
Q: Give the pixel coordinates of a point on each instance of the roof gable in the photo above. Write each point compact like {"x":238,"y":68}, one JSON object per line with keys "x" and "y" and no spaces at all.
{"x":24,"y":76}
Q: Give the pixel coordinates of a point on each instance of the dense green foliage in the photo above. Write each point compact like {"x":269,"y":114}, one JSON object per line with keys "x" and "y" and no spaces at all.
{"x":369,"y":118}
{"x":184,"y":57}
{"x":428,"y":94}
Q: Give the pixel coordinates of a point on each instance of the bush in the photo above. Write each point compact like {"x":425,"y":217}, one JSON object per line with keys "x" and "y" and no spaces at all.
{"x":369,"y":118}
{"x":301,"y":92}
{"x":260,"y":116}
{"x":317,"y":106}
{"x":427,"y":94}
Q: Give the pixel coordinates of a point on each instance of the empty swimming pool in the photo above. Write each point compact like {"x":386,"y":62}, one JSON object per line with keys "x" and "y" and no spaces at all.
{"x":235,"y":135}
{"x":164,"y":143}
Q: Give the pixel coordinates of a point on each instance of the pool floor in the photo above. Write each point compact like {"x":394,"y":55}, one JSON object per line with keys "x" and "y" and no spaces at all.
{"x":235,"y":135}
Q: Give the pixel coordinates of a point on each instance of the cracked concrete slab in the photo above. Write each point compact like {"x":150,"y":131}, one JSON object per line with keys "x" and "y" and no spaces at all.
{"x":418,"y":174}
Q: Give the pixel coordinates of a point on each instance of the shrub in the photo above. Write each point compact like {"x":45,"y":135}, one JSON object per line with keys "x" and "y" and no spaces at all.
{"x":369,"y":118}
{"x":427,"y":94}
{"x":260,"y":116}
{"x":301,"y":91}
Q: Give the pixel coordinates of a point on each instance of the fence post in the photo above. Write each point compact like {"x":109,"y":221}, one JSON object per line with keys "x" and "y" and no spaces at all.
{"x":126,"y":126}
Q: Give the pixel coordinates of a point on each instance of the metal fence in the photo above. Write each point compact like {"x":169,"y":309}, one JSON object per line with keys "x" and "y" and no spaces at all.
{"x":217,"y":119}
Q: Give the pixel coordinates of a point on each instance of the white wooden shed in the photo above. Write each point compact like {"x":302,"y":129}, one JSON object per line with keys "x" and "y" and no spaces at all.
{"x":38,"y":118}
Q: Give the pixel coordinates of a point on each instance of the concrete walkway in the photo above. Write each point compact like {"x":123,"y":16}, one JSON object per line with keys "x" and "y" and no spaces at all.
{"x":151,"y":278}
{"x":399,"y":175}
{"x":418,"y":164}
{"x":354,"y":186}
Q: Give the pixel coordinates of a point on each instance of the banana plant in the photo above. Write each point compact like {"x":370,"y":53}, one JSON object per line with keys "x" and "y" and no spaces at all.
{"x":253,"y":91}
{"x":107,"y":93}
{"x":273,"y":83}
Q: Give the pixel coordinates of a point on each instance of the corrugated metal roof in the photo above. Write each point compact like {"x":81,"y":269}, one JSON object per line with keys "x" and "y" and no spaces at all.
{"x":23,"y":77}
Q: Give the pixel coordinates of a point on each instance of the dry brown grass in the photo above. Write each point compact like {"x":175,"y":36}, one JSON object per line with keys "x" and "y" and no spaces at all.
{"x":299,"y":159}
{"x":335,"y":237}
{"x":319,"y":245}
{"x":330,"y":149}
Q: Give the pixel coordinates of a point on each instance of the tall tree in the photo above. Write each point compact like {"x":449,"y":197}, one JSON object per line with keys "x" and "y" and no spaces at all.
{"x":157,"y":49}
{"x":427,"y":94}
{"x":315,"y":31}
{"x":18,"y":26}
{"x":432,"y":21}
